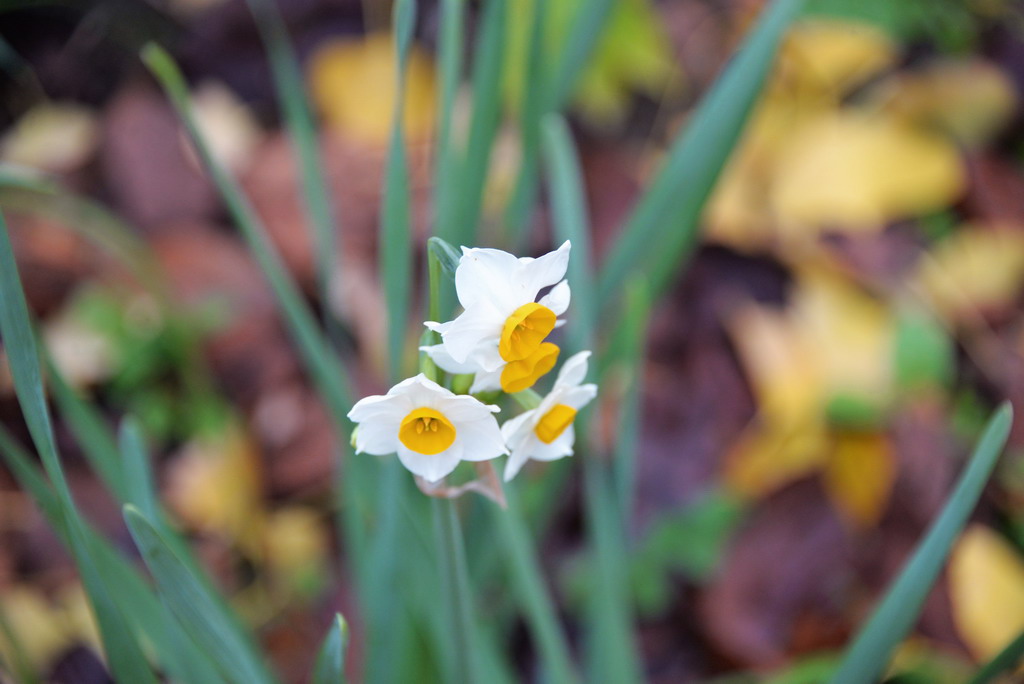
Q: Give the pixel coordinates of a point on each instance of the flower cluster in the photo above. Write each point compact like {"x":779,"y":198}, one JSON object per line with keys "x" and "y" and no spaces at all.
{"x":510,"y":307}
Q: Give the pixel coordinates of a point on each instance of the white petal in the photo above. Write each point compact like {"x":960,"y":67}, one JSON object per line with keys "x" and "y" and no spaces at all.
{"x":518,"y":430}
{"x":578,"y":397}
{"x":431,"y":468}
{"x":439,"y":355}
{"x":558,"y":299}
{"x":481,"y":440}
{"x":483,"y":273}
{"x":485,"y":381}
{"x":560,"y":448}
{"x":573,"y":370}
{"x":478,"y":325}
{"x":536,"y":274}
{"x":378,"y":407}
{"x":516,"y":461}
{"x":379,"y":438}
{"x":420,"y":391}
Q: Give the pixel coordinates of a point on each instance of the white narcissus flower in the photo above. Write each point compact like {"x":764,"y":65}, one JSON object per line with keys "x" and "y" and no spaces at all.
{"x":546,"y":433}
{"x":500,"y":335}
{"x":430,"y":428}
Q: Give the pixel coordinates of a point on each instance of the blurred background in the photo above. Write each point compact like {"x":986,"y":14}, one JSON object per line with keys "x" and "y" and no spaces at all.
{"x":811,"y":384}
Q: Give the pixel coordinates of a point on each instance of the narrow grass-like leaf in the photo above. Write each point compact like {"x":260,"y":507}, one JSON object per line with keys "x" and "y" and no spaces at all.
{"x":178,"y":655}
{"x":488,"y":63}
{"x":447,"y":256}
{"x":330,"y":661}
{"x":868,"y":656}
{"x":1007,"y":660}
{"x":123,"y":651}
{"x":85,"y":217}
{"x":185,"y":595}
{"x":589,"y":24}
{"x":395,"y":250}
{"x":137,"y":472}
{"x":528,"y":581}
{"x":457,"y":591}
{"x":663,"y":225}
{"x":324,"y":368}
{"x":449,"y":75}
{"x":524,"y":193}
{"x":571,"y":223}
{"x":90,"y":430}
{"x":298,"y":118}
{"x":628,"y":350}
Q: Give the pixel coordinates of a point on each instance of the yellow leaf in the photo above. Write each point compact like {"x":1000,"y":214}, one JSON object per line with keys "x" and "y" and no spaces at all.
{"x":975,"y":270}
{"x":853,"y":171}
{"x":829,"y":57}
{"x":850,"y":332}
{"x":859,"y":477}
{"x":215,"y":486}
{"x":39,"y":628}
{"x":969,"y":99}
{"x":986,"y":586}
{"x":53,"y":137}
{"x":769,"y":456}
{"x":353,"y":82}
{"x":296,"y":544}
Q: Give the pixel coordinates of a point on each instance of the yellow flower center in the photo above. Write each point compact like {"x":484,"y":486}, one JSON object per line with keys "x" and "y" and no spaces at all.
{"x":554,"y":423}
{"x":426,"y":431}
{"x":519,"y":375}
{"x":524,"y":331}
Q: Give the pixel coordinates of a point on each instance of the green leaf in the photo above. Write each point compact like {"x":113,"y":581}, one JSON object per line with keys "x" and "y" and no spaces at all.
{"x":868,"y":656}
{"x":571,"y":223}
{"x":298,"y":118}
{"x":662,"y":228}
{"x":449,"y":73}
{"x":137,"y":472}
{"x":488,"y":63}
{"x":588,"y":26}
{"x":124,"y":654}
{"x":326,"y":371}
{"x":447,"y":256}
{"x":178,"y":655}
{"x":330,"y":661}
{"x":528,"y":581}
{"x":396,"y":216}
{"x":186,"y":597}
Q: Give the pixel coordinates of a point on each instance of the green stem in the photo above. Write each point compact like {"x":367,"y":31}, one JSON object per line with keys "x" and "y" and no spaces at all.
{"x":457,"y":589}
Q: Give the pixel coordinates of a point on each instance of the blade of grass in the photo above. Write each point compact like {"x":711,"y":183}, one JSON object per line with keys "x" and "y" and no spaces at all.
{"x":330,"y":661}
{"x":326,"y":371}
{"x":612,"y":655}
{"x":124,"y":654}
{"x":457,"y":590}
{"x":588,"y":26}
{"x":178,"y":655}
{"x":387,"y":633}
{"x":298,"y":118}
{"x":449,"y":74}
{"x":184,"y":594}
{"x":663,"y":226}
{"x":488,"y":62}
{"x":1005,"y":661}
{"x":630,"y":353}
{"x":395,"y":250}
{"x":524,"y":193}
{"x":866,"y":659}
{"x":528,"y":580}
{"x":19,"y":666}
{"x":571,"y":223}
